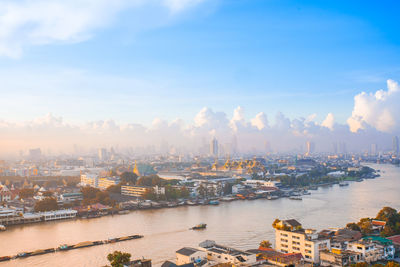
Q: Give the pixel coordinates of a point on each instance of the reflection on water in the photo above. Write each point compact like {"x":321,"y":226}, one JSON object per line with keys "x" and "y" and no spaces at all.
{"x":242,"y":224}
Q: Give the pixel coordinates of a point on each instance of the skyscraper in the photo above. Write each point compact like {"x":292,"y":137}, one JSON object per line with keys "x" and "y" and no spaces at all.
{"x":310,"y":147}
{"x":214,"y":147}
{"x":102,"y":154}
{"x":395,"y":145}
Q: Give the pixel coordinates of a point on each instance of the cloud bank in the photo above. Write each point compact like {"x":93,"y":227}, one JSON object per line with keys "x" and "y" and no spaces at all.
{"x":373,"y":121}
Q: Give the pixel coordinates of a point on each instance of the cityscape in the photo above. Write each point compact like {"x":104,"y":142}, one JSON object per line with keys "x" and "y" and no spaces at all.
{"x":199,"y":133}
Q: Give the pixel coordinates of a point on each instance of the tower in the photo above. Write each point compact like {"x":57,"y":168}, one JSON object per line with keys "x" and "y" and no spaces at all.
{"x":395,"y":145}
{"x":214,"y":147}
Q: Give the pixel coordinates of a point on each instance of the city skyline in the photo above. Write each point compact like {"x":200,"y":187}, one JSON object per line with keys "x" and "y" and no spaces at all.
{"x":133,"y":73}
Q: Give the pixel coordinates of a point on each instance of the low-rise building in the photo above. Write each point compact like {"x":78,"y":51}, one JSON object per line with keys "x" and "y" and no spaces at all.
{"x":189,"y":255}
{"x":71,"y":197}
{"x":224,"y":254}
{"x":368,"y":250}
{"x":139,"y":191}
{"x":106,"y":182}
{"x":339,"y":258}
{"x":90,"y":180}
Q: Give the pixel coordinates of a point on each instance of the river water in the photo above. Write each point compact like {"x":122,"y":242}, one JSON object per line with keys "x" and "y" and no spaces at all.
{"x":241,"y":224}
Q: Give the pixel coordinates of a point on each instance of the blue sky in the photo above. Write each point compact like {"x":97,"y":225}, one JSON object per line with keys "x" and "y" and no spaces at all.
{"x":136,"y":63}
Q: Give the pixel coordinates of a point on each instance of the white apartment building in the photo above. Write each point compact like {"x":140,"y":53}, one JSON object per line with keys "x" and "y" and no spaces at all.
{"x":222,"y":254}
{"x":188,"y":255}
{"x":139,"y":191}
{"x":90,"y":179}
{"x":307,"y":242}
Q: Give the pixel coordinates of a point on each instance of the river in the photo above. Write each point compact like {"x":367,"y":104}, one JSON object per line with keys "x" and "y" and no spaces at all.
{"x":241,"y":224}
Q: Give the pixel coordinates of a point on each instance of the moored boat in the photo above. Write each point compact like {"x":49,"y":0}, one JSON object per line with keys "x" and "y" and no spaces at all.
{"x":295,"y":198}
{"x":213,"y":202}
{"x":5,"y":258}
{"x":2,"y":227}
{"x":199,"y":226}
{"x":343,"y":183}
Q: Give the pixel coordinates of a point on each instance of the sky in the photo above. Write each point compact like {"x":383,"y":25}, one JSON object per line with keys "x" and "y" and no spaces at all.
{"x":204,"y":65}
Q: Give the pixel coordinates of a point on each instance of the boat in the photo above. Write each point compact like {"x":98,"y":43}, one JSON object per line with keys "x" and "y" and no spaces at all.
{"x":23,"y":254}
{"x":199,"y":226}
{"x":227,"y":199}
{"x":343,"y":184}
{"x":87,"y":244}
{"x":313,"y":187}
{"x":2,"y":227}
{"x":213,"y":202}
{"x":123,"y":212}
{"x":5,"y":258}
{"x":305,"y":192}
{"x":64,"y":247}
{"x":295,"y":198}
{"x":191,"y":203}
{"x":42,"y":251}
{"x":272,"y":197}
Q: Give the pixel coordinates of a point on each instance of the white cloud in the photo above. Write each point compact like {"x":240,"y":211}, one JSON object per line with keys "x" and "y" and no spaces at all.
{"x":379,"y":110}
{"x":260,"y":121}
{"x":24,"y":23}
{"x":329,"y":121}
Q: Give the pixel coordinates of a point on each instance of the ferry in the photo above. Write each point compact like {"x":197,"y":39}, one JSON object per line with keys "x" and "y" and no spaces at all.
{"x":2,"y":227}
{"x":199,"y":226}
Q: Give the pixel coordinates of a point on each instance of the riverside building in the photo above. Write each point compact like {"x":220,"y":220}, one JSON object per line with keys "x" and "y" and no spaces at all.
{"x":290,"y":237}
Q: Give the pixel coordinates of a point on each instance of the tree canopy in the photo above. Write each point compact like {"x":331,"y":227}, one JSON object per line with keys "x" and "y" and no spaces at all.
{"x":118,"y":258}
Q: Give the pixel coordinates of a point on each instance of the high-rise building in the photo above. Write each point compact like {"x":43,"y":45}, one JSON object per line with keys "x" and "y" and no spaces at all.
{"x":214,"y":147}
{"x":310,"y":148}
{"x":102,"y":154}
{"x":374,"y":149}
{"x":395,"y":145}
{"x":35,"y":154}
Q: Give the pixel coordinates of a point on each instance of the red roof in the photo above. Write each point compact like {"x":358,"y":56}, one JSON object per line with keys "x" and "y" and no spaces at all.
{"x":378,"y":223}
{"x":395,"y":239}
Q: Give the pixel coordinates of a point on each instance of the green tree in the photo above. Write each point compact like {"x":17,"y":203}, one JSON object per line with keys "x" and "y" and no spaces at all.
{"x":26,"y":193}
{"x":392,"y":264}
{"x":150,"y":194}
{"x":114,"y":189}
{"x":129,"y":178}
{"x":386,"y":214}
{"x":353,"y":226}
{"x":118,"y":258}
{"x":265,"y":244}
{"x":46,"y":204}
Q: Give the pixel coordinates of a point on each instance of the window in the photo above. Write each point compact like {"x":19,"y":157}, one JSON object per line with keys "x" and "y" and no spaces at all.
{"x":285,"y":235}
{"x":308,"y":257}
{"x":296,"y":237}
{"x":295,"y":248}
{"x":284,"y":240}
{"x":284,"y":246}
{"x":308,"y":245}
{"x":308,"y":251}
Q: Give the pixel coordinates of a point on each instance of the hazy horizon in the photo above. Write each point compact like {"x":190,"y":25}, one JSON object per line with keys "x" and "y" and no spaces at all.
{"x":272,"y":74}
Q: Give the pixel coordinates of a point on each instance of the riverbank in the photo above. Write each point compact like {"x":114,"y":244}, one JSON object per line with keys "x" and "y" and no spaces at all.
{"x":294,"y":194}
{"x":237,"y":223}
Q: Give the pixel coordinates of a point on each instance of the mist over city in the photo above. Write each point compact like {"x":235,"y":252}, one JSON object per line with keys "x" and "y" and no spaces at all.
{"x":199,"y":133}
